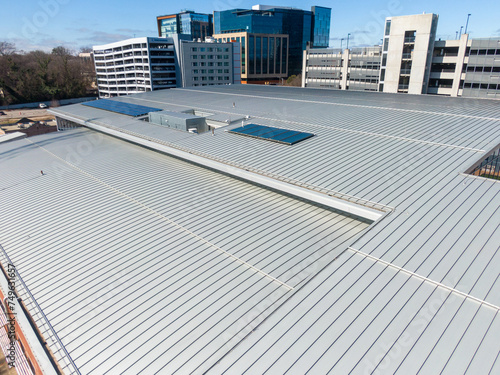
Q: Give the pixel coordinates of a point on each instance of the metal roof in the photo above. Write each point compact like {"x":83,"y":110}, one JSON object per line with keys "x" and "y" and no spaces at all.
{"x":310,"y":290}
{"x":125,"y":249}
{"x":11,"y":136}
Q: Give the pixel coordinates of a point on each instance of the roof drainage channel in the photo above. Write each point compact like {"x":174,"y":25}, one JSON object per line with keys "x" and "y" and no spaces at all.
{"x":288,"y":187}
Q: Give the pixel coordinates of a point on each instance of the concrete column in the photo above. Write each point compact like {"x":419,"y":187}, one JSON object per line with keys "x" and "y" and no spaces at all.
{"x":344,"y":69}
{"x":304,"y":65}
{"x":460,"y":64}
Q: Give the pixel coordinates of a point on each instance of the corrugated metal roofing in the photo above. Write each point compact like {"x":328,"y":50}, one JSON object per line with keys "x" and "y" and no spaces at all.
{"x":140,"y":260}
{"x":417,"y":292}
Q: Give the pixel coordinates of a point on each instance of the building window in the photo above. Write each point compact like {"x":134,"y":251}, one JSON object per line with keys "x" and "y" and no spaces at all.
{"x":194,"y":49}
{"x":388,"y":27}
{"x":194,"y":57}
{"x":258,"y":55}
{"x":194,"y":64}
{"x":265,"y":54}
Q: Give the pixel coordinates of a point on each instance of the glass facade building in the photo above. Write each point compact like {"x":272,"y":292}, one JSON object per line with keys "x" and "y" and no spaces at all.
{"x":263,"y":56}
{"x":321,"y":30}
{"x":197,"y":25}
{"x":304,"y":28}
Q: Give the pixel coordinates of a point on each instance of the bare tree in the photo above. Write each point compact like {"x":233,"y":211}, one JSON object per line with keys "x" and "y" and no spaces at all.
{"x":86,"y":49}
{"x":7,"y":48}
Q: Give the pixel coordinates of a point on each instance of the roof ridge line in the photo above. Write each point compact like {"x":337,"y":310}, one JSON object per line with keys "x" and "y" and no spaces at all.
{"x":437,"y":283}
{"x":346,"y":105}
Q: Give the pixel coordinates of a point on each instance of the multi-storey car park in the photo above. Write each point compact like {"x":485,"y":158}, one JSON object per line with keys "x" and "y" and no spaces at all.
{"x":300,"y":231}
{"x":410,"y":60}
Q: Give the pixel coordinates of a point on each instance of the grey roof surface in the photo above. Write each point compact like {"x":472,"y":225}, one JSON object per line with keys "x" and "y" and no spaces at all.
{"x":418,"y":291}
{"x":126,"y":250}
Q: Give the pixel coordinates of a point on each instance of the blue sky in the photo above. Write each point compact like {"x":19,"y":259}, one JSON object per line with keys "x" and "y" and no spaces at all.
{"x":44,"y":24}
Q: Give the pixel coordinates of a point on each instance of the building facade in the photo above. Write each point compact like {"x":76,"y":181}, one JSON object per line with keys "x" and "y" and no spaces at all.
{"x":482,"y":69}
{"x":135,"y":65}
{"x":410,"y":60}
{"x":407,"y":53}
{"x":355,"y":69}
{"x":208,"y":63}
{"x":196,"y":25}
{"x":264,"y":57}
{"x":303,"y":28}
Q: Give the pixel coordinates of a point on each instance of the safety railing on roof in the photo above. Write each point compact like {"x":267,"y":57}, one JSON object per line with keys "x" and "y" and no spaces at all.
{"x":489,"y":167}
{"x":41,"y":320}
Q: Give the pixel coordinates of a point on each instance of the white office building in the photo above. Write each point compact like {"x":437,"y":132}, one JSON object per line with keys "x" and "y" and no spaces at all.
{"x":135,"y":65}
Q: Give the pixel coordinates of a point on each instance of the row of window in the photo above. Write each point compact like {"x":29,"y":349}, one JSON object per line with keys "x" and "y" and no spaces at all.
{"x":491,"y":51}
{"x":327,"y":66}
{"x":211,"y":78}
{"x":209,"y":84}
{"x":482,"y":69}
{"x":128,"y":82}
{"x":210,"y":71}
{"x":113,"y":76}
{"x":207,"y":64}
{"x":116,"y":49}
{"x":483,"y":86}
{"x":210,"y":57}
{"x":210,"y":49}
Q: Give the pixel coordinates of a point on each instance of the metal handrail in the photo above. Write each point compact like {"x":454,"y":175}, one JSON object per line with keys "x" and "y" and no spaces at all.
{"x":39,"y":312}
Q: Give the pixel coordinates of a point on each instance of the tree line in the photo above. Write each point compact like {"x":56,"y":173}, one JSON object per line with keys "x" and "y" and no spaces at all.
{"x":37,"y":76}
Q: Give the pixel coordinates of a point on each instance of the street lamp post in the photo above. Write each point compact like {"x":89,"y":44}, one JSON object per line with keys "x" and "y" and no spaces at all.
{"x":467,"y":24}
{"x":348,"y":35}
{"x":341,"y":40}
{"x":460,"y":35}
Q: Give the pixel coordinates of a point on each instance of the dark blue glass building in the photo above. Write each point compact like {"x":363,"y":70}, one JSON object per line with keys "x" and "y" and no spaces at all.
{"x":303,"y":27}
{"x":197,"y":25}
